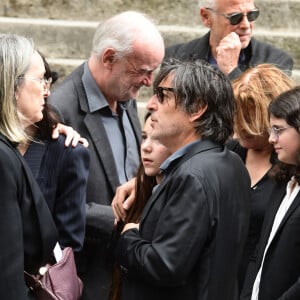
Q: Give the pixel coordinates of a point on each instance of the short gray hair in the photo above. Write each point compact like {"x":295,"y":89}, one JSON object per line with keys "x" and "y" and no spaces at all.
{"x":121,"y":31}
{"x":207,"y":3}
{"x":15,"y":56}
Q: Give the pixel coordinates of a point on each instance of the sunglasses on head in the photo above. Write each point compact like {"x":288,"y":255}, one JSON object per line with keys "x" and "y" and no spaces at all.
{"x":237,"y":18}
{"x":159,"y":92}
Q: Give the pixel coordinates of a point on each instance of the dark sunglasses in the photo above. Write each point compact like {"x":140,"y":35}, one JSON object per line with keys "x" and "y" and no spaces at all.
{"x":237,"y":18}
{"x":159,"y":92}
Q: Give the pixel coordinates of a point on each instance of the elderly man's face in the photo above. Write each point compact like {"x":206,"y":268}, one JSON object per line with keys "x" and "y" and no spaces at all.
{"x":221,"y":27}
{"x":130,"y":73}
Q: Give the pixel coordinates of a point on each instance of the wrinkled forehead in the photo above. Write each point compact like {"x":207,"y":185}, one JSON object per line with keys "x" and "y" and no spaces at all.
{"x":147,"y":54}
{"x":36,"y":64}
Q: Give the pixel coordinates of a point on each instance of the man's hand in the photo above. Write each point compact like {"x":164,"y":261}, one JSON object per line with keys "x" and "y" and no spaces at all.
{"x":71,"y":135}
{"x":131,"y":226}
{"x":228,"y":52}
{"x":123,"y":199}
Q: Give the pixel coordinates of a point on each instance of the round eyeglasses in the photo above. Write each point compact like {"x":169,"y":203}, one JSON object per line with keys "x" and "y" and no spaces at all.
{"x":237,"y":18}
{"x":46,"y":82}
{"x":276,"y":131}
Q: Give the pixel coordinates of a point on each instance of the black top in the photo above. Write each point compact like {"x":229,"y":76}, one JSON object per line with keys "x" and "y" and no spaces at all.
{"x":260,"y":195}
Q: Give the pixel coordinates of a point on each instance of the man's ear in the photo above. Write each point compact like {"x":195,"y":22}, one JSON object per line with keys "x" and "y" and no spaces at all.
{"x":196,"y":115}
{"x":205,"y":17}
{"x":108,"y":57}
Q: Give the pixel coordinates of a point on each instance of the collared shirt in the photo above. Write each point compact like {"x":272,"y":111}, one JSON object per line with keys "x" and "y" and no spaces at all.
{"x":124,"y":146}
{"x":292,"y":190}
{"x":176,"y":155}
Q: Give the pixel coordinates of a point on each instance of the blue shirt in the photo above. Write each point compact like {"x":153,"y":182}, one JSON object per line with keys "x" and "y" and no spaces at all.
{"x":123,"y":143}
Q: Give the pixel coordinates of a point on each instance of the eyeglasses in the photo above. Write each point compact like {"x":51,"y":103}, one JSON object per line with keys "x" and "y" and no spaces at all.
{"x":237,"y":18}
{"x":276,"y":131}
{"x":159,"y":92}
{"x":43,"y":81}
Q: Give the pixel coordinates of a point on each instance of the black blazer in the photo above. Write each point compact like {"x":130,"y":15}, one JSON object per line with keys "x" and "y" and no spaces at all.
{"x":257,"y":52}
{"x":192,"y":230}
{"x":27,"y":231}
{"x":70,"y":99}
{"x":281,"y":271}
{"x":62,"y":174}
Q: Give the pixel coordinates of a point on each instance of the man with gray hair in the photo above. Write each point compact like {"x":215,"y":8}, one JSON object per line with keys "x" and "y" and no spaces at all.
{"x":96,"y":99}
{"x":229,"y":44}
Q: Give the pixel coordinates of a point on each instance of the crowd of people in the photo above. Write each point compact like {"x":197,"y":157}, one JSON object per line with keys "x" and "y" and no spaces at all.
{"x":202,"y":203}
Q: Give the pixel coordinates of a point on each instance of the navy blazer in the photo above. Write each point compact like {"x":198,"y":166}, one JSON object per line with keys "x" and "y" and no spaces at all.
{"x":62,"y":174}
{"x":192,"y":230}
{"x":257,"y":52}
{"x":95,"y":261}
{"x":27,"y":231}
{"x":280,"y":277}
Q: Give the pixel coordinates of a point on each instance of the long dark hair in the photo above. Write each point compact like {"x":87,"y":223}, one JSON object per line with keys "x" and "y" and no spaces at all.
{"x":50,"y":118}
{"x":287,"y":106}
{"x":143,"y":190}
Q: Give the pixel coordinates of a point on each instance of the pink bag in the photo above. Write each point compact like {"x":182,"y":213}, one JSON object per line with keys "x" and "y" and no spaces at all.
{"x":58,"y":282}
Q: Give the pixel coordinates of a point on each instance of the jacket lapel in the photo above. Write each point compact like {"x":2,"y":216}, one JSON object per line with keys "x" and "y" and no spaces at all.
{"x":202,"y":146}
{"x":97,"y":132}
{"x":46,"y":224}
{"x":291,"y":209}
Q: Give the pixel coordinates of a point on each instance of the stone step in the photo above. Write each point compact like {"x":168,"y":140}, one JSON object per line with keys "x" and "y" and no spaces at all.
{"x":274,"y":13}
{"x":73,"y":39}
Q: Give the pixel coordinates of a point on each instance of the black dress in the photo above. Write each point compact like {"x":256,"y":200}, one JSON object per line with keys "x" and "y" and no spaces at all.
{"x":260,"y":195}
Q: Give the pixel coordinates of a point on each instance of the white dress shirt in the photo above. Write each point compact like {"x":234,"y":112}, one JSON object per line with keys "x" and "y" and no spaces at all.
{"x":292,"y":190}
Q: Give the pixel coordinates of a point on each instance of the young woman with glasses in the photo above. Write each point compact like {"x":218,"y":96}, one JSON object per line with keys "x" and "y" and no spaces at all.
{"x":274,"y":271}
{"x":254,"y":90}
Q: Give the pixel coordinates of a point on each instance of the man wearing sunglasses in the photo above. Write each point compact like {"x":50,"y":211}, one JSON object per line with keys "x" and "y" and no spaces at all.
{"x":229,"y":44}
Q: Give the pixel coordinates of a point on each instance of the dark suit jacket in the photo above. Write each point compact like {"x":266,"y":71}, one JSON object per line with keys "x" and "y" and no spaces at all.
{"x":62,"y":174}
{"x":27,"y":231}
{"x":281,"y":271}
{"x":70,"y":99}
{"x":256,"y":53}
{"x":192,"y":230}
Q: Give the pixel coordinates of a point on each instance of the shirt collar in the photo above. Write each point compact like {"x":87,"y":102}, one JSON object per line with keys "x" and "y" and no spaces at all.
{"x":166,"y":165}
{"x":95,"y":97}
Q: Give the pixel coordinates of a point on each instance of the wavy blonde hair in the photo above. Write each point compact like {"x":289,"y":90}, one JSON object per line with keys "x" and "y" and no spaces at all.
{"x":254,"y":90}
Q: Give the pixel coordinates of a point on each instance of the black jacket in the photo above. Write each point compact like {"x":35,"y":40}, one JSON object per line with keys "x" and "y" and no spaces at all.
{"x":192,"y":230}
{"x":280,"y":278}
{"x":256,"y":53}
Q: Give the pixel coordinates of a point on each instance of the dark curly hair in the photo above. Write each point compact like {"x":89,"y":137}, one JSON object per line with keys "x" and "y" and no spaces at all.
{"x":287,"y":106}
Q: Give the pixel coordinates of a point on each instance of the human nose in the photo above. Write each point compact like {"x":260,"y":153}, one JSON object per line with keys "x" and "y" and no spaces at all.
{"x":146,"y":146}
{"x":152,"y":103}
{"x":147,"y":81}
{"x":245,"y":22}
{"x":46,"y":92}
{"x":273,"y":137}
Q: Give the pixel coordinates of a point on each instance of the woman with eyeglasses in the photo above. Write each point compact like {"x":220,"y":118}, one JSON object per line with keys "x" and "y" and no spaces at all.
{"x":28,"y":233}
{"x":60,"y":171}
{"x":275,"y":270}
{"x":253,"y":91}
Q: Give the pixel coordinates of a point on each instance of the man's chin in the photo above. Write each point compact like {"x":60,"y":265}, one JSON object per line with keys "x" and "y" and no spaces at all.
{"x":245,"y":43}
